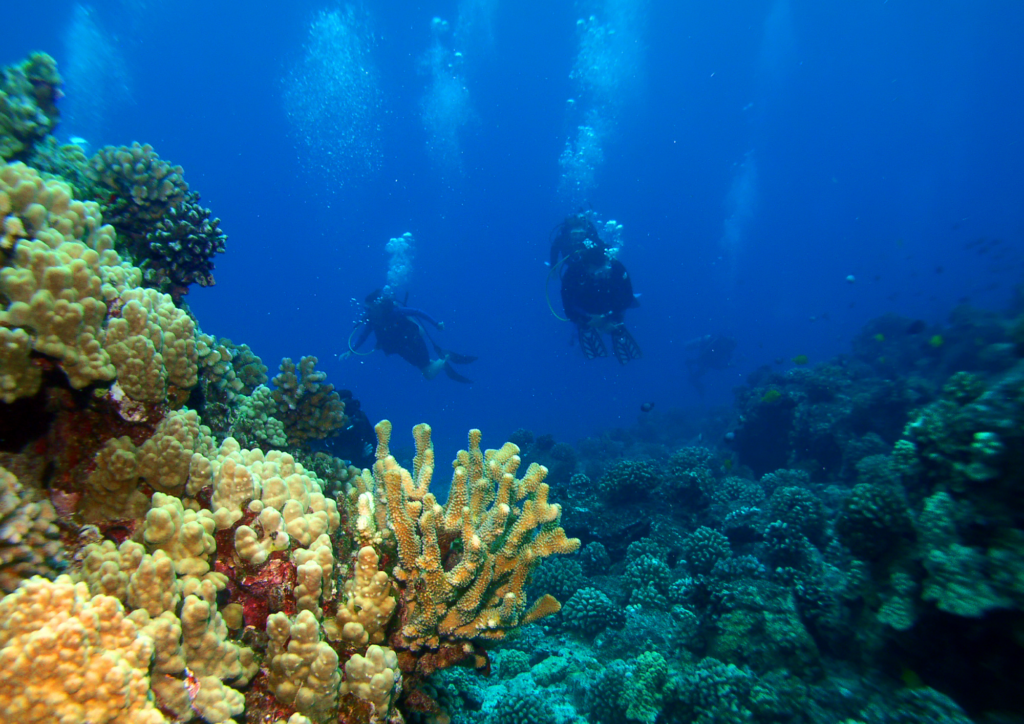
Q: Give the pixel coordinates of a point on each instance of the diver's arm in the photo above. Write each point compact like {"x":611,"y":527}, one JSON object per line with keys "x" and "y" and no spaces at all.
{"x":419,"y":314}
{"x":363,"y":336}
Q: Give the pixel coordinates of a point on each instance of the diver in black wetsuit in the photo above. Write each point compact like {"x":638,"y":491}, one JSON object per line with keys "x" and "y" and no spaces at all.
{"x":596,"y":289}
{"x":400,"y":330}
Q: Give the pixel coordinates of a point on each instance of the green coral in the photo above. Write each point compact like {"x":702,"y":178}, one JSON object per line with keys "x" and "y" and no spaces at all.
{"x":66,"y":161}
{"x":715,"y":693}
{"x":644,"y":692}
{"x":874,"y":521}
{"x":140,"y":187}
{"x":799,"y":509}
{"x":28,"y":105}
{"x":255,"y":425}
{"x":308,"y":406}
{"x":899,"y":610}
{"x":249,"y":368}
{"x":178,"y":249}
{"x":648,"y":578}
{"x":963,"y":387}
{"x":627,"y":480}
{"x":520,"y":707}
{"x":590,"y":612}
{"x":704,"y":548}
{"x":511,"y":663}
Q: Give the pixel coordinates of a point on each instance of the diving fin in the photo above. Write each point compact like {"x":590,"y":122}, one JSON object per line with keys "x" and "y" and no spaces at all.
{"x":591,"y":343}
{"x":460,"y":359}
{"x":447,"y":354}
{"x":624,"y":345}
{"x":450,"y":371}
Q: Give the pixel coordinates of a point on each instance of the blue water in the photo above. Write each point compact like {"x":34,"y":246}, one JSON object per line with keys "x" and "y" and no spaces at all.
{"x":756,"y":153}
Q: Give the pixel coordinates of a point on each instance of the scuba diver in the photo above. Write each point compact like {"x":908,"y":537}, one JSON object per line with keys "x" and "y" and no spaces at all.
{"x":710,"y":352}
{"x":596,"y":288}
{"x":400,"y":330}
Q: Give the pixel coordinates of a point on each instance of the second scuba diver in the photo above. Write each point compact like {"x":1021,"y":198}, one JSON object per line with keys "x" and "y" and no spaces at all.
{"x":596,"y":289}
{"x":400,"y":330}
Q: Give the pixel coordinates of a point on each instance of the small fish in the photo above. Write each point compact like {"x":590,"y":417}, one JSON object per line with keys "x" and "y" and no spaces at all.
{"x":936,"y":341}
{"x":800,"y":360}
{"x":771,"y":396}
{"x":879,"y":337}
{"x":647,"y":407}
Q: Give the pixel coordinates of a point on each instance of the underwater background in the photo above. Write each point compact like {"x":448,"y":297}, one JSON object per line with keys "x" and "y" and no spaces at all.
{"x":755,"y":153}
{"x":822,"y":524}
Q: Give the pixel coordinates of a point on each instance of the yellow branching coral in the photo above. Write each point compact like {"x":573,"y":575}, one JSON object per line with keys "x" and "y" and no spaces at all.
{"x":463,"y":567}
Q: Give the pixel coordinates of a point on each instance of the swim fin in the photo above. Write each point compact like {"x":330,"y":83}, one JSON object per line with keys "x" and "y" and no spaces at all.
{"x":447,"y":354}
{"x":450,"y":371}
{"x":591,"y":343}
{"x":624,"y":345}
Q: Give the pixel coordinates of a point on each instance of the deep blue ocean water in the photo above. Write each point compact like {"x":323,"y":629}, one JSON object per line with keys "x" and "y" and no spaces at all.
{"x":757,"y":153}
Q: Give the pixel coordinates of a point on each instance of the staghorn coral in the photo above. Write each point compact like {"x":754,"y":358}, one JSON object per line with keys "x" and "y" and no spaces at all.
{"x":28,"y":104}
{"x":501,"y":525}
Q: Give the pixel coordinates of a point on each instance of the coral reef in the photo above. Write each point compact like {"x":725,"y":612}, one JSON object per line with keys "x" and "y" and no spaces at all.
{"x":28,"y":105}
{"x":308,"y":407}
{"x":173,"y":549}
{"x":160,"y":223}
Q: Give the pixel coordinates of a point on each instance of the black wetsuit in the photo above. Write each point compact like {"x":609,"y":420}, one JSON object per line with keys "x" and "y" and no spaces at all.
{"x":596,"y":289}
{"x":603,"y":290}
{"x":397,"y":331}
